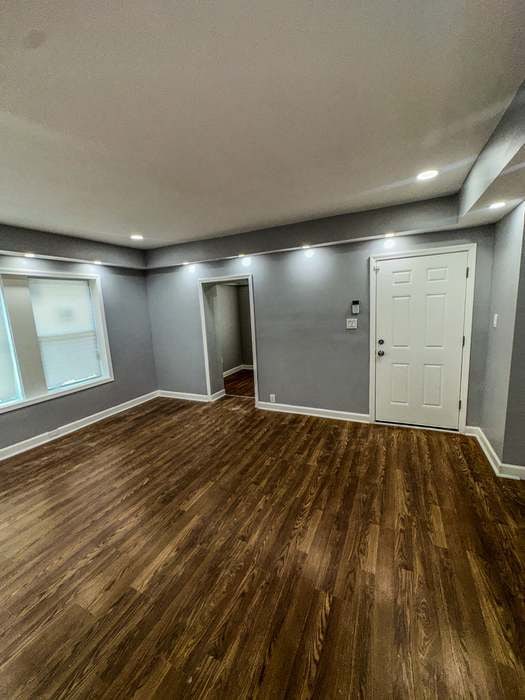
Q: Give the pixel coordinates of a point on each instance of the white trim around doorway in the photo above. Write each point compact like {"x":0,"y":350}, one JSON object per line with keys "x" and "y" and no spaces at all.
{"x":470,"y":249}
{"x":234,"y":370}
{"x":217,"y":280}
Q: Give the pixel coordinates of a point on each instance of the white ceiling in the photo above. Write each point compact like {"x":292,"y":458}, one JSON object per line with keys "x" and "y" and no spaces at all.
{"x":184,"y":120}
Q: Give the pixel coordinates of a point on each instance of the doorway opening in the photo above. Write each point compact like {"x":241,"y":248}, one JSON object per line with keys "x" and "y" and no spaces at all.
{"x":228,"y":329}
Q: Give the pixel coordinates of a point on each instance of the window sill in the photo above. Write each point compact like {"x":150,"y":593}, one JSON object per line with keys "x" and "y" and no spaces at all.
{"x":15,"y":405}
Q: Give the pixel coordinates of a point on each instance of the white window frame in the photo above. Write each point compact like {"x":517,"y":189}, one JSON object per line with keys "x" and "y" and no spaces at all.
{"x":18,"y":377}
{"x":102,"y":335}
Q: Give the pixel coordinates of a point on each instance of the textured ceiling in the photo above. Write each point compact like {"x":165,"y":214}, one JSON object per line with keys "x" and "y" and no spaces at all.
{"x":185,"y":120}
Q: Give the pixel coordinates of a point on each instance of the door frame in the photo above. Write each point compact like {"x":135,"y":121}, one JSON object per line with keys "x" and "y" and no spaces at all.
{"x":470,"y":249}
{"x":217,"y":280}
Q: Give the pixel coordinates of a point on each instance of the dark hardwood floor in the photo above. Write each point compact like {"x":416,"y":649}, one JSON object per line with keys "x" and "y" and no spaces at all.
{"x":189,"y":550}
{"x":240,"y":384}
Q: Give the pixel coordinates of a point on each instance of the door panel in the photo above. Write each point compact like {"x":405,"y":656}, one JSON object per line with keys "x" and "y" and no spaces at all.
{"x":400,"y":379}
{"x":433,"y":385}
{"x":400,"y":321}
{"x":435,"y":320}
{"x":420,"y":317}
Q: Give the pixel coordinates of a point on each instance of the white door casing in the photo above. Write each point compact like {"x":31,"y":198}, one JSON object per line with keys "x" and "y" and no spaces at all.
{"x":420,"y":317}
{"x":217,"y":280}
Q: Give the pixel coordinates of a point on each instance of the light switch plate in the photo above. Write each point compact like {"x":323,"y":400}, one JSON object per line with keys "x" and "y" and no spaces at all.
{"x":351,"y":324}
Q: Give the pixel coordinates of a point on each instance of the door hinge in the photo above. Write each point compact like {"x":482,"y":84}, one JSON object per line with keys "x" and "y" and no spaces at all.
{"x":468,"y":268}
{"x":463,"y":345}
{"x":460,"y":404}
{"x":376,"y":268}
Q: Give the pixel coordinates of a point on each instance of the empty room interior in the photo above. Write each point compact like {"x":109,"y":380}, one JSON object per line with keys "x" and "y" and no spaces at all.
{"x":262,"y":349}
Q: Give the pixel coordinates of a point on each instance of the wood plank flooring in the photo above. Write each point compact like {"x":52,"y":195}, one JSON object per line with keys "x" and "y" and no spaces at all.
{"x":185,"y":550}
{"x":240,"y":384}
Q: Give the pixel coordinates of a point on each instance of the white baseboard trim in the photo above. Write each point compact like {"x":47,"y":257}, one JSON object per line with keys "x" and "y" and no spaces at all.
{"x":508,"y":471}
{"x":512,"y":471}
{"x":318,"y":412}
{"x":37,"y":440}
{"x":185,"y":396}
{"x":217,"y":395}
{"x":233,"y":370}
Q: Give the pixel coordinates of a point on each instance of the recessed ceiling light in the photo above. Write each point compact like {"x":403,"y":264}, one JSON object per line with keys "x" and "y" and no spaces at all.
{"x":137,"y":237}
{"x":428,"y":174}
{"x":97,"y":262}
{"x":241,"y":255}
{"x":306,"y":246}
{"x":185,"y":262}
{"x":497,"y":205}
{"x":29,"y":255}
{"x":390,"y":234}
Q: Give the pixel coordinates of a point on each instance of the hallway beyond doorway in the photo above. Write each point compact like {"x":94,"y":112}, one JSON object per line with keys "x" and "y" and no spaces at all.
{"x":240,"y":383}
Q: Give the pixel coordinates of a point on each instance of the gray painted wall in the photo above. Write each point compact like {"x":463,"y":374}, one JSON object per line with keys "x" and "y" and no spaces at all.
{"x":24,"y":240}
{"x":246,"y":328}
{"x":514,"y":445}
{"x":305,"y":356}
{"x":228,"y":325}
{"x":505,"y":276}
{"x":125,"y":304}
{"x":176,"y":329}
{"x":428,"y":215}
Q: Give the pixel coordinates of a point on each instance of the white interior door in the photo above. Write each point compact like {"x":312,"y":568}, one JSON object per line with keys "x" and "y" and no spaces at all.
{"x":420,"y":316}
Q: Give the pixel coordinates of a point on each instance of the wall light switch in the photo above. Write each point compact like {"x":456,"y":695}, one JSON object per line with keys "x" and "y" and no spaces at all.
{"x":272,"y":398}
{"x":351,"y":324}
{"x":495,"y":321}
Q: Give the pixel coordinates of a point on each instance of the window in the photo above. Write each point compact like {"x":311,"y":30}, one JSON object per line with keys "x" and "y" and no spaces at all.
{"x":9,"y":379}
{"x":52,"y":337}
{"x":65,"y":326}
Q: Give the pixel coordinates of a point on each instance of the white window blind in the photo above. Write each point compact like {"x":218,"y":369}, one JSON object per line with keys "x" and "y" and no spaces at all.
{"x":66,"y":330}
{"x":9,"y":380}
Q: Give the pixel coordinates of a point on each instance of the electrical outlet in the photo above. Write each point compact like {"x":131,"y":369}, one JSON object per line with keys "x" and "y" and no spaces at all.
{"x":351,"y":324}
{"x":272,"y":398}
